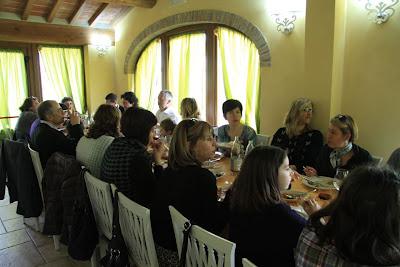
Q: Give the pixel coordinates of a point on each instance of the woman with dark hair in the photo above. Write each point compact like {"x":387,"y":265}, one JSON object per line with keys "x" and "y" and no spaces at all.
{"x":232,"y":110}
{"x":340,"y":152}
{"x":264,"y":228}
{"x":187,"y":186}
{"x":91,"y":148}
{"x":127,"y":162}
{"x":301,"y":142}
{"x":26,"y":118}
{"x":360,"y":227}
{"x":394,"y":160}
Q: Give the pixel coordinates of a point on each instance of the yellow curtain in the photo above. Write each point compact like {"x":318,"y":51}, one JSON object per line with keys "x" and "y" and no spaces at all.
{"x":238,"y":74}
{"x":187,"y":69}
{"x":147,"y":78}
{"x":62,"y":74}
{"x":13,"y":86}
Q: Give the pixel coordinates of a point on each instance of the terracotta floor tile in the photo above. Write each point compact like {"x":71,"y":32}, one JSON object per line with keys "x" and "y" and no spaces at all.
{"x":38,"y":238}
{"x":23,"y":255}
{"x":50,"y":254}
{"x":13,"y":238}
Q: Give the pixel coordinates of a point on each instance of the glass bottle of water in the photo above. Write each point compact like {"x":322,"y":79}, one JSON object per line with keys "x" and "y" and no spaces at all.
{"x":249,"y":147}
{"x":236,"y":155}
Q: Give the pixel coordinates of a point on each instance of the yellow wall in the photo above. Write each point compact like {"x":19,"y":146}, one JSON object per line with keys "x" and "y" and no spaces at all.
{"x":99,"y":75}
{"x":335,"y":56}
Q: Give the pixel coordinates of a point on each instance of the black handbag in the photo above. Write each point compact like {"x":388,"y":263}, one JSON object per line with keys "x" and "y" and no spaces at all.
{"x":186,"y":230}
{"x":117,"y":253}
{"x":83,"y":234}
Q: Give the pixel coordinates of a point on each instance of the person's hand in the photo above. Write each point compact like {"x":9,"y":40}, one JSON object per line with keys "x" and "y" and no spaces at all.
{"x":310,"y":206}
{"x":74,"y":118}
{"x":310,"y":171}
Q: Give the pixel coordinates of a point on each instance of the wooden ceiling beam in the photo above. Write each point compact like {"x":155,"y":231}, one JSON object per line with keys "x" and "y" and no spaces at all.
{"x":43,"y":33}
{"x":96,"y":14}
{"x":27,"y":10}
{"x":54,"y":10}
{"x":136,"y":3}
{"x":77,"y":12}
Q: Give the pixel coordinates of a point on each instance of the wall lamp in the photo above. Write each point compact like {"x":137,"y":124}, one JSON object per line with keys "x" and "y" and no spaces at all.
{"x":379,"y":11}
{"x":285,"y":13}
{"x":102,"y":43}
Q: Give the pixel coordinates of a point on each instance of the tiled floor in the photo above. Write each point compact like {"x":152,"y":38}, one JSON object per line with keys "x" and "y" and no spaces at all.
{"x":22,"y":246}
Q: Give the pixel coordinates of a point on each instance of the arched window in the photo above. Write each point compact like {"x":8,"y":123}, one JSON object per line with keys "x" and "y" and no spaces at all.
{"x":209,"y":62}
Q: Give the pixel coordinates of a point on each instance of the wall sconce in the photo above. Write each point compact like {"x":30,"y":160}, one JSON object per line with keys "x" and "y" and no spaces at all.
{"x":102,"y":43}
{"x":379,"y":11}
{"x":285,"y":23}
{"x":285,"y":13}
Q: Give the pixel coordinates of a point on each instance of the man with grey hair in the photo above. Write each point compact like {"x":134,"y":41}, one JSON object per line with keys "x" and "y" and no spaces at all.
{"x":47,"y":138}
{"x":165,"y":104}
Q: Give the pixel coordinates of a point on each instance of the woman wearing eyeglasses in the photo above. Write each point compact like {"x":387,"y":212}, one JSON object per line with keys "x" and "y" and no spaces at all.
{"x":340,"y":150}
{"x":301,"y":142}
{"x":187,"y":186}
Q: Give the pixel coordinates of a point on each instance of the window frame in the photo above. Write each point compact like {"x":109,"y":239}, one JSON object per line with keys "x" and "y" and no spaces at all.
{"x":211,"y":61}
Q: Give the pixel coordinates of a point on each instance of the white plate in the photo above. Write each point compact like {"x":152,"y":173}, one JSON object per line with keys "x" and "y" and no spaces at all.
{"x":319,"y":182}
{"x":217,"y":156}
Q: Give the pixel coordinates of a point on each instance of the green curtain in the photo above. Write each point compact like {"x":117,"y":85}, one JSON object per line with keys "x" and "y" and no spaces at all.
{"x":147,"y":78}
{"x":13,"y":86}
{"x":238,"y":74}
{"x":62,"y":74}
{"x":187,"y":68}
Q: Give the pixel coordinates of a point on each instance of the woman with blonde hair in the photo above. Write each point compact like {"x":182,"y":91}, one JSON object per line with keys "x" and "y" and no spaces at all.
{"x":189,"y":109}
{"x":340,"y":150}
{"x":187,"y":186}
{"x":297,"y":137}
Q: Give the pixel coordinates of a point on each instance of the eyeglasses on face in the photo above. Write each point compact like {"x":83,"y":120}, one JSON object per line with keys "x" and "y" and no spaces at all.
{"x":307,"y":109}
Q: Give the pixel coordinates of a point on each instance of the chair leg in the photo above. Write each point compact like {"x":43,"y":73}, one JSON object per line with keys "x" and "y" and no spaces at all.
{"x":95,"y":259}
{"x":37,"y":225}
{"x":56,"y":240}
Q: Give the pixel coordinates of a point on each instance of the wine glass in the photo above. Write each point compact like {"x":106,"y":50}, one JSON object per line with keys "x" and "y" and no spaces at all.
{"x":340,"y":175}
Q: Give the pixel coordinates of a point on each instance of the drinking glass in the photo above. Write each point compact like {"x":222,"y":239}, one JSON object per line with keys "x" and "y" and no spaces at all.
{"x":339,"y":177}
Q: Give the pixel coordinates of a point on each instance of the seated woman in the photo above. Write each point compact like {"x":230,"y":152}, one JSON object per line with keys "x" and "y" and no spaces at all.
{"x":340,"y":151}
{"x":127,"y":162}
{"x":264,"y":228}
{"x":189,"y":109}
{"x":91,"y":148}
{"x":363,"y":224}
{"x":26,"y":118}
{"x":297,"y":137}
{"x":394,"y":160}
{"x":232,"y":110}
{"x":187,"y":186}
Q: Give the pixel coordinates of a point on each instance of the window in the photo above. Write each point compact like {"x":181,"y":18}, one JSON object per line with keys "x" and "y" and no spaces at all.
{"x":61,"y":70}
{"x":13,"y":85}
{"x":208,"y":62}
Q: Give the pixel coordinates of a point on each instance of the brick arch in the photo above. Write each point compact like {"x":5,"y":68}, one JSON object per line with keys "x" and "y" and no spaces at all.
{"x":196,"y":17}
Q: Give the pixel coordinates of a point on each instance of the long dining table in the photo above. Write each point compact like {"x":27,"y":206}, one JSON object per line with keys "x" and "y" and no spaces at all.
{"x":225,"y":178}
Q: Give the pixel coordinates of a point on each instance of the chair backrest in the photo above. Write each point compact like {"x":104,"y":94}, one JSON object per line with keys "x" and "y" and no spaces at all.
{"x":262,"y":139}
{"x":247,"y":263}
{"x":101,"y":199}
{"x":204,"y":248}
{"x":136,"y":230}
{"x":377,"y":161}
{"x":37,"y":165}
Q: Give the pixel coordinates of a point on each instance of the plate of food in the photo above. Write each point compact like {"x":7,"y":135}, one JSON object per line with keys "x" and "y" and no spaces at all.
{"x":319,"y":182}
{"x":217,"y":156}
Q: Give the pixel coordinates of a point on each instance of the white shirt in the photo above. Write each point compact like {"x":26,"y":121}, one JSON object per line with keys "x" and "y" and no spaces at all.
{"x":169,"y":113}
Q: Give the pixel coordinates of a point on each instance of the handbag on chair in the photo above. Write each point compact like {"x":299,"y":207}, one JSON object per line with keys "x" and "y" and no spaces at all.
{"x":117,"y":253}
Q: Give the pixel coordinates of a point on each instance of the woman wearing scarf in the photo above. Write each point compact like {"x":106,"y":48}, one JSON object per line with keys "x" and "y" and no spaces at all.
{"x":340,"y":150}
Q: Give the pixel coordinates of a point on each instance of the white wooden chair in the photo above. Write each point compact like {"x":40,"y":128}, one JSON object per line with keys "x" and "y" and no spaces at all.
{"x":377,"y":161}
{"x":101,"y":200}
{"x":136,"y":230}
{"x":262,"y":140}
{"x":37,"y":165}
{"x":204,"y":248}
{"x":247,"y":263}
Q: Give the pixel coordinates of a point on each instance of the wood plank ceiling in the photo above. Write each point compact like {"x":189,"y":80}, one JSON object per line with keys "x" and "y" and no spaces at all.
{"x":93,"y":13}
